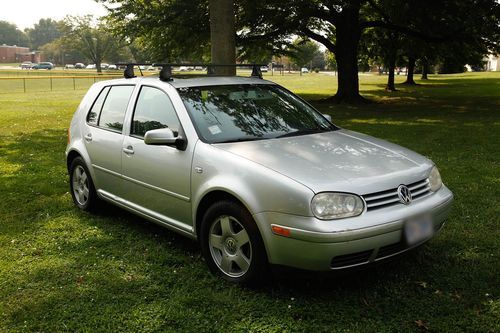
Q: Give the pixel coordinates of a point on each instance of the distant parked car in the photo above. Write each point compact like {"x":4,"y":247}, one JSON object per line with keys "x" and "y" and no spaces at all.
{"x":69,"y":66}
{"x":264,"y":69}
{"x":90,"y":66}
{"x":79,"y":65}
{"x":26,"y":65}
{"x":112,"y":67}
{"x":104,"y":66}
{"x":43,"y":65}
{"x":183,"y":69}
{"x":304,"y":70}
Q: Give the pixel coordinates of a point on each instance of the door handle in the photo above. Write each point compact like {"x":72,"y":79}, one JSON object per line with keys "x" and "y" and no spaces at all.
{"x":88,"y":137}
{"x":129,"y":150}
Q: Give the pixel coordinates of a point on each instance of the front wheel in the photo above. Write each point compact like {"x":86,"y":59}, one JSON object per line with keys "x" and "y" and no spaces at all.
{"x":231,"y":243}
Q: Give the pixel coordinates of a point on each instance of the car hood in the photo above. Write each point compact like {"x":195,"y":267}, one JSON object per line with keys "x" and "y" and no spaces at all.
{"x":340,"y":160}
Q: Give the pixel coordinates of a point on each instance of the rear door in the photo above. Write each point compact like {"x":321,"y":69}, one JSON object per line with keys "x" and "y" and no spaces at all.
{"x":103,"y":137}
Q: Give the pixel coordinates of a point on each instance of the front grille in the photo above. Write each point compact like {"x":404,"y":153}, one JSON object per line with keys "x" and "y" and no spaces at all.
{"x":351,"y":259}
{"x":390,"y":197}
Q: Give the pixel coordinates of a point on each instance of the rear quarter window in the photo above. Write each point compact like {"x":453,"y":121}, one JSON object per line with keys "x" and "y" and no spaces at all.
{"x":95,"y":110}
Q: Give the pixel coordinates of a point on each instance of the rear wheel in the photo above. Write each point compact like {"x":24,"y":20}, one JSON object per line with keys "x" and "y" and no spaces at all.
{"x":82,"y":187}
{"x":231,"y":243}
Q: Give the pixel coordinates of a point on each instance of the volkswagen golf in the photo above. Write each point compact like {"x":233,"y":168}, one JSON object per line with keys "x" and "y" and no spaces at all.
{"x":252,"y":172}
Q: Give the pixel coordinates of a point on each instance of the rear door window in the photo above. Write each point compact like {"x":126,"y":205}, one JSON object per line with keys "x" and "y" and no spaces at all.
{"x":114,"y":108}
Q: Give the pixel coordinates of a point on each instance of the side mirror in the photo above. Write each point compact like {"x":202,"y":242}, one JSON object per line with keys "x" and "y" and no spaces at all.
{"x":164,"y":137}
{"x":328,"y":117}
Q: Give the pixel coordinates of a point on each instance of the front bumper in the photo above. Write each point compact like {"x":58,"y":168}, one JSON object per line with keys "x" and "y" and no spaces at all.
{"x":319,"y":245}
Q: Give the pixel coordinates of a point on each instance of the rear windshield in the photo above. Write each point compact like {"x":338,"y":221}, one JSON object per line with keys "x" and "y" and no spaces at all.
{"x":246,"y":112}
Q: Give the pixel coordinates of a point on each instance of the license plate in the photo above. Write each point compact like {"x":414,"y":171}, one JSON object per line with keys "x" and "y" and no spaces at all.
{"x":418,"y":229}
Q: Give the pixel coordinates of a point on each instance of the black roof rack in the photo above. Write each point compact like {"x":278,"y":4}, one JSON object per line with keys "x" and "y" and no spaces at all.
{"x":166,"y":68}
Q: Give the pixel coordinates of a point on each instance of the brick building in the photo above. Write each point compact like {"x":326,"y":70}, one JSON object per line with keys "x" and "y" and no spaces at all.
{"x":9,"y":54}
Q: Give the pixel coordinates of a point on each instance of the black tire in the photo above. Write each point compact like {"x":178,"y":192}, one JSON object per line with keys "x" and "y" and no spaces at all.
{"x":91,"y":200}
{"x":239,"y":218}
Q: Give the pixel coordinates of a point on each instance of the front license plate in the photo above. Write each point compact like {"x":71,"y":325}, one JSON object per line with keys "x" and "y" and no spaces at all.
{"x":418,"y":229}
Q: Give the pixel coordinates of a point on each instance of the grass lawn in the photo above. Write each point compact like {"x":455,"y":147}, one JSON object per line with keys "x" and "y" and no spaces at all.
{"x":64,"y":270}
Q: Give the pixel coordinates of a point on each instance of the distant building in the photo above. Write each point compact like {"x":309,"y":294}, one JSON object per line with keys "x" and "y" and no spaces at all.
{"x":492,"y":63}
{"x":9,"y":54}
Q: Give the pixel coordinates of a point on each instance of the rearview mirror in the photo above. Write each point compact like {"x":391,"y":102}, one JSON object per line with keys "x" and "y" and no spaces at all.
{"x":328,"y":117}
{"x":164,"y":137}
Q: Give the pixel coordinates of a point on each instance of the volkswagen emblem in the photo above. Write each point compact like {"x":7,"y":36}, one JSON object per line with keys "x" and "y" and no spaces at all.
{"x":404,"y":194}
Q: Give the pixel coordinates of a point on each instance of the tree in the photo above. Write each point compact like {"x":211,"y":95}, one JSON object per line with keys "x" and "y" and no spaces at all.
{"x":337,"y":24}
{"x":303,"y":52}
{"x":43,"y":32}
{"x":11,"y":35}
{"x":222,"y":35}
{"x":90,"y":37}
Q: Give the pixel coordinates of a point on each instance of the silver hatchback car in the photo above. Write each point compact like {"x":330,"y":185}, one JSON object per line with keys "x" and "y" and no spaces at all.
{"x":253,"y":172}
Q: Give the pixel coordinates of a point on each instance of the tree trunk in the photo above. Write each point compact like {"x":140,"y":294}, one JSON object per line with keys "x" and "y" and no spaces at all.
{"x":348,"y":34}
{"x":425,"y":69}
{"x":390,"y":79}
{"x":410,"y":70}
{"x":223,"y":35}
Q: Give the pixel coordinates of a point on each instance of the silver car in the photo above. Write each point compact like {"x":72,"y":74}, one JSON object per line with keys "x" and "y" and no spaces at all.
{"x":252,"y":172}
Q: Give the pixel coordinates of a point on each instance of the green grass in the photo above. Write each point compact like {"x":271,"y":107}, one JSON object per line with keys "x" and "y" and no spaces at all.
{"x":64,"y":270}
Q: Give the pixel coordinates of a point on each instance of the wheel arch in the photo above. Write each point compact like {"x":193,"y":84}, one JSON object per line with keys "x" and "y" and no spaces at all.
{"x":72,"y":154}
{"x":208,"y":200}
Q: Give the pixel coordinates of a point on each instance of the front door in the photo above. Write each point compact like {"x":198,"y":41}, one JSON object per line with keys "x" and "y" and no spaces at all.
{"x":157,"y":178}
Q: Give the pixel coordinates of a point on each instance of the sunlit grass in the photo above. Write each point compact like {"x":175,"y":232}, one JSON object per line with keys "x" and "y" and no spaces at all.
{"x":63,"y":270}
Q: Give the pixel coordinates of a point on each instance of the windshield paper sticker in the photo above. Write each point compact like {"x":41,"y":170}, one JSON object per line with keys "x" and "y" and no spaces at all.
{"x":214,"y":129}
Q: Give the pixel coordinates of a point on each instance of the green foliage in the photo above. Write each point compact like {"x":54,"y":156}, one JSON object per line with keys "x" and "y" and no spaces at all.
{"x":93,"y":39}
{"x":165,"y":30}
{"x":11,"y":35}
{"x":303,"y":52}
{"x":43,"y":32}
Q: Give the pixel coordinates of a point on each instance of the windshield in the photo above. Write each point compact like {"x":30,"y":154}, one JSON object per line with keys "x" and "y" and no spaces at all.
{"x":250,"y":112}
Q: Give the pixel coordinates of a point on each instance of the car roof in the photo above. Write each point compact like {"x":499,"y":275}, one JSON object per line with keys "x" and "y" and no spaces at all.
{"x":192,"y":82}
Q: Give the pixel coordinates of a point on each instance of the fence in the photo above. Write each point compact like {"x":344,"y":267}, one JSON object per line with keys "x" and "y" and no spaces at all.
{"x":49,"y":83}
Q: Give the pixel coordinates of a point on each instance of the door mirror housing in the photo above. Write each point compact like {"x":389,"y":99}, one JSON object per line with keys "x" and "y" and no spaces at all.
{"x":328,"y":117}
{"x":164,"y":137}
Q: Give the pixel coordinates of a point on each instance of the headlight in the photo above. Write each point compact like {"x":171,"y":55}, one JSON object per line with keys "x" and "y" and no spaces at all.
{"x":435,"y":179}
{"x":328,"y":206}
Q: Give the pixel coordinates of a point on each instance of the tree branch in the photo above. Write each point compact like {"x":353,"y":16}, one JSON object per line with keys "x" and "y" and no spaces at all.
{"x":404,"y":30}
{"x":319,"y":38}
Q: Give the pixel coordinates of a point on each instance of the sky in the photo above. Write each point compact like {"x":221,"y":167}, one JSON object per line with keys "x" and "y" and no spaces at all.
{"x":25,"y":13}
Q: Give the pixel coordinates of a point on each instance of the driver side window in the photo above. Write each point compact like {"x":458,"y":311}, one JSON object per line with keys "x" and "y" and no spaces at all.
{"x":153,"y":110}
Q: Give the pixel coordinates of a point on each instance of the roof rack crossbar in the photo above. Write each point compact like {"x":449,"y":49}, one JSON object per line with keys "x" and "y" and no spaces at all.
{"x":166,"y":68}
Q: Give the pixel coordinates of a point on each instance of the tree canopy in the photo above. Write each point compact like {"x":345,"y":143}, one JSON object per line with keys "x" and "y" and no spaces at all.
{"x":43,"y":32}
{"x":11,"y":35}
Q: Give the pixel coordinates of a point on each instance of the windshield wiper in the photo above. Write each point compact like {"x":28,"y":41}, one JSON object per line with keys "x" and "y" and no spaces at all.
{"x":304,"y":132}
{"x":240,"y":140}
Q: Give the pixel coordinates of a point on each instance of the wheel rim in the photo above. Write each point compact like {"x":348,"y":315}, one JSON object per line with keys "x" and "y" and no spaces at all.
{"x":80,"y":185}
{"x":230,"y":246}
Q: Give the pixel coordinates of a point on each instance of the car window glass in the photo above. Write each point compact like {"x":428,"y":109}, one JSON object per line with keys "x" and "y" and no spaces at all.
{"x":153,"y":110}
{"x":93,"y":115}
{"x":115,"y":106}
